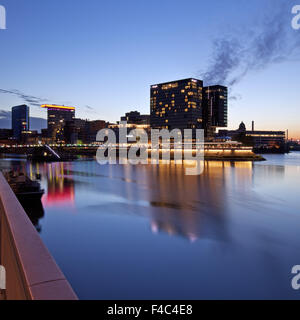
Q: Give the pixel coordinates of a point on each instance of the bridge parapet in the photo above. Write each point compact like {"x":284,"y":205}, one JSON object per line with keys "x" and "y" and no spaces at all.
{"x":31,"y":272}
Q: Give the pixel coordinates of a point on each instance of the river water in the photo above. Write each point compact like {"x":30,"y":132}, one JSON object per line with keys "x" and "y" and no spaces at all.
{"x":151,"y":232}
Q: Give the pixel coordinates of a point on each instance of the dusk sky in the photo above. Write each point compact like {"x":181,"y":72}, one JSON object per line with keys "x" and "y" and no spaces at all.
{"x":102,"y":56}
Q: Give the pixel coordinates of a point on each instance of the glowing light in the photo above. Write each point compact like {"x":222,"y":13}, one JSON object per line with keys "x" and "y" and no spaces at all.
{"x":52,"y":106}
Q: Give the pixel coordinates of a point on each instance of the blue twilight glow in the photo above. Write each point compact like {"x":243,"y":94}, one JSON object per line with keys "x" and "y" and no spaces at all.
{"x":102,"y":56}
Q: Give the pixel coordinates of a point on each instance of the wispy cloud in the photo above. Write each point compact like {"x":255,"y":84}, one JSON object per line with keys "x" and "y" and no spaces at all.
{"x":28,"y":99}
{"x":89,"y":108}
{"x":5,"y":114}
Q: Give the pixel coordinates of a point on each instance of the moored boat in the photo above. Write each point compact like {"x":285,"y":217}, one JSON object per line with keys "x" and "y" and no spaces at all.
{"x":24,"y":188}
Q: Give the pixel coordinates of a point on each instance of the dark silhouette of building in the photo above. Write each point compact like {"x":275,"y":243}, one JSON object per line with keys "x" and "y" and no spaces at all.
{"x":92,"y":128}
{"x":259,"y":139}
{"x":30,"y":137}
{"x":20,"y":120}
{"x":215,"y":100}
{"x":80,"y":131}
{"x":5,"y":134}
{"x":135,"y":118}
{"x":70,"y":132}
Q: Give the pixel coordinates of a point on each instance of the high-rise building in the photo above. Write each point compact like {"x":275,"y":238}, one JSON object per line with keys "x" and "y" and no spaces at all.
{"x":186,"y":104}
{"x":58,"y":116}
{"x":177,"y":104}
{"x":20,"y":120}
{"x":215,"y":100}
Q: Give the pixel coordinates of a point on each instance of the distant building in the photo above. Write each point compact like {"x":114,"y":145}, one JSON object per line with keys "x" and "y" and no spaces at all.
{"x":70,"y":132}
{"x":81,"y":131}
{"x":57,"y":118}
{"x":92,"y":128}
{"x":20,"y":120}
{"x":135,"y":118}
{"x":215,"y":101}
{"x":177,"y":104}
{"x":45,"y":137}
{"x":267,"y":138}
{"x":6,"y":137}
{"x":30,"y":137}
{"x":80,"y":125}
{"x":5,"y":134}
{"x":259,"y":139}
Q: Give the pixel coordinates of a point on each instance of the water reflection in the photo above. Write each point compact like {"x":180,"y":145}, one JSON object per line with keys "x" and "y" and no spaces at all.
{"x":152,"y":232}
{"x":35,"y":212}
{"x":188,"y":206}
{"x":60,"y":185}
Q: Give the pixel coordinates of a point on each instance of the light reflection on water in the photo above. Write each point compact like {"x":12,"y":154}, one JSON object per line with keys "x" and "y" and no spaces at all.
{"x":139,"y":232}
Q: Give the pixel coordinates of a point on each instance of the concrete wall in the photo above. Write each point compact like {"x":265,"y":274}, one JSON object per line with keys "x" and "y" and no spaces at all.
{"x":31,"y":272}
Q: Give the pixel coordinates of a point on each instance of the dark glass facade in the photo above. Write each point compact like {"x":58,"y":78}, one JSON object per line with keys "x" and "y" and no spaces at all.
{"x":177,"y":104}
{"x":215,"y":99}
{"x":20,"y":120}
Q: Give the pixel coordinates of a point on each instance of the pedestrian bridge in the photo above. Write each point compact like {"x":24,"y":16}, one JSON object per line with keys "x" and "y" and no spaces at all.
{"x":31,"y":271}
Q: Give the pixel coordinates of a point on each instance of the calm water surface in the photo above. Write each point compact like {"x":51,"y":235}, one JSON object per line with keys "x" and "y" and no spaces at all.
{"x":150,"y":232}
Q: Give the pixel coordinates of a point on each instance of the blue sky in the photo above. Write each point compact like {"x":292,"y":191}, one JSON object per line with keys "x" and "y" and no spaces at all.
{"x":106,"y":54}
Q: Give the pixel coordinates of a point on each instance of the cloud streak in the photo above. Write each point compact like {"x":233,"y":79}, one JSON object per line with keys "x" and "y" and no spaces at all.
{"x":28,"y":99}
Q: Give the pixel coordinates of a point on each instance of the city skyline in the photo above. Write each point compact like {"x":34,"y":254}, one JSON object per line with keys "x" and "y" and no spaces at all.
{"x":99,"y":65}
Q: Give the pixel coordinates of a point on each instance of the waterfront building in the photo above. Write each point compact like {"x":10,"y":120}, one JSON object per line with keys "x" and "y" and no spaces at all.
{"x":57,"y":118}
{"x":81,"y":131}
{"x":186,"y":104}
{"x":135,"y":118}
{"x":177,"y":104}
{"x":70,"y":132}
{"x":6,"y":134}
{"x":259,"y":139}
{"x":92,"y":128}
{"x":20,"y":120}
{"x":215,"y":101}
{"x":30,"y":137}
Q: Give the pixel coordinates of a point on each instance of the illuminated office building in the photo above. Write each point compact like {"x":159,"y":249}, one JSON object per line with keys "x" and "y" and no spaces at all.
{"x":58,"y":116}
{"x":177,"y":104}
{"x":186,"y":104}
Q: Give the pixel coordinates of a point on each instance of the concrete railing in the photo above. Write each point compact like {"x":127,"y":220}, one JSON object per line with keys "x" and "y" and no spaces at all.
{"x":31,"y":272}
